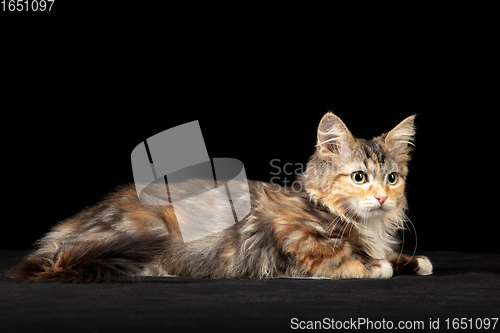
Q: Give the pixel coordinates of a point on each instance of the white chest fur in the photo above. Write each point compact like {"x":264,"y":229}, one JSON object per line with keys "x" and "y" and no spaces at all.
{"x":379,"y":238}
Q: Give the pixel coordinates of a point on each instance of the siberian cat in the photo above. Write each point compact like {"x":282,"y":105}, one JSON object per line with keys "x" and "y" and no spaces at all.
{"x":343,"y":223}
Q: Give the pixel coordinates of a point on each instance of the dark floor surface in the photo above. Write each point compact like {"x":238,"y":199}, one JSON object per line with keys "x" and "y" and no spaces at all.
{"x":464,"y":285}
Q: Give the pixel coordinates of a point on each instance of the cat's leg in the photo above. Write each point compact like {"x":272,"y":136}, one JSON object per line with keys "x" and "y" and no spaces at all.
{"x":356,"y":267}
{"x":377,"y":269}
{"x":319,"y":256}
{"x":381,"y":269}
{"x":405,"y":264}
{"x":349,"y":267}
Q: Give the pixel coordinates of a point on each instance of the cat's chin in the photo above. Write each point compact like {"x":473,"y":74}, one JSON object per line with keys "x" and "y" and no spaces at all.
{"x":374,"y":213}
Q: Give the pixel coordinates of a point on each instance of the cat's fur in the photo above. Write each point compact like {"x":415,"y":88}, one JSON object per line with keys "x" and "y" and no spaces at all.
{"x":331,"y":228}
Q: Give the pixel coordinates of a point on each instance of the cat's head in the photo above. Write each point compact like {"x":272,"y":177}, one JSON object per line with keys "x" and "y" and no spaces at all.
{"x":359,"y":178}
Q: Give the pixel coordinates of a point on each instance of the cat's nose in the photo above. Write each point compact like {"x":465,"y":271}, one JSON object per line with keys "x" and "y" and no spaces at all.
{"x":381,"y":198}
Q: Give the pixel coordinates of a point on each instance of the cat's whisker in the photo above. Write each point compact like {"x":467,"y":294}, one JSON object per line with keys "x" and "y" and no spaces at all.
{"x":407,"y":219}
{"x":332,"y":228}
{"x":351,"y":214}
{"x":401,"y":224}
{"x":344,"y":229}
{"x":402,"y":245}
{"x":341,"y":235}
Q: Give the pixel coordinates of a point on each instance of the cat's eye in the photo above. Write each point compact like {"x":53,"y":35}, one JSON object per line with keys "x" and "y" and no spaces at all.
{"x":392,"y":178}
{"x":359,"y":177}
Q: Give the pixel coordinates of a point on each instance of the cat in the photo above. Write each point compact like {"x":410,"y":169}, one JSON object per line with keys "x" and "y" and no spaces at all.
{"x":343,"y":222}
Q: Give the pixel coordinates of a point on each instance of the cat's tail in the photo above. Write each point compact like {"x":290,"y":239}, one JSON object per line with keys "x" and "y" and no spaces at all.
{"x":90,"y":262}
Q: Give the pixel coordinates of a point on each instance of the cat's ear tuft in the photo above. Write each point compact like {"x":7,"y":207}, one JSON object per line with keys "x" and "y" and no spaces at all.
{"x":333,"y":136}
{"x":399,"y":139}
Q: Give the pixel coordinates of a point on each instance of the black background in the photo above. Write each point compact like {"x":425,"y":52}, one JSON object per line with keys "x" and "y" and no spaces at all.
{"x":80,"y":90}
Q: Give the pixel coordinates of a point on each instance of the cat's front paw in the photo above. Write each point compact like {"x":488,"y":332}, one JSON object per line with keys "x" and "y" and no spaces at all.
{"x":382,"y":270}
{"x":424,"y":266}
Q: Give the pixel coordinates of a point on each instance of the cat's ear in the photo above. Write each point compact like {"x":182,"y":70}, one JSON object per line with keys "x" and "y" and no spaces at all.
{"x":400,"y":138}
{"x":333,"y":137}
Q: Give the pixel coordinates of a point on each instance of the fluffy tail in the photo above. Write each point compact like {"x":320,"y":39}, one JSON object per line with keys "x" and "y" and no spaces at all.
{"x":90,"y":262}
